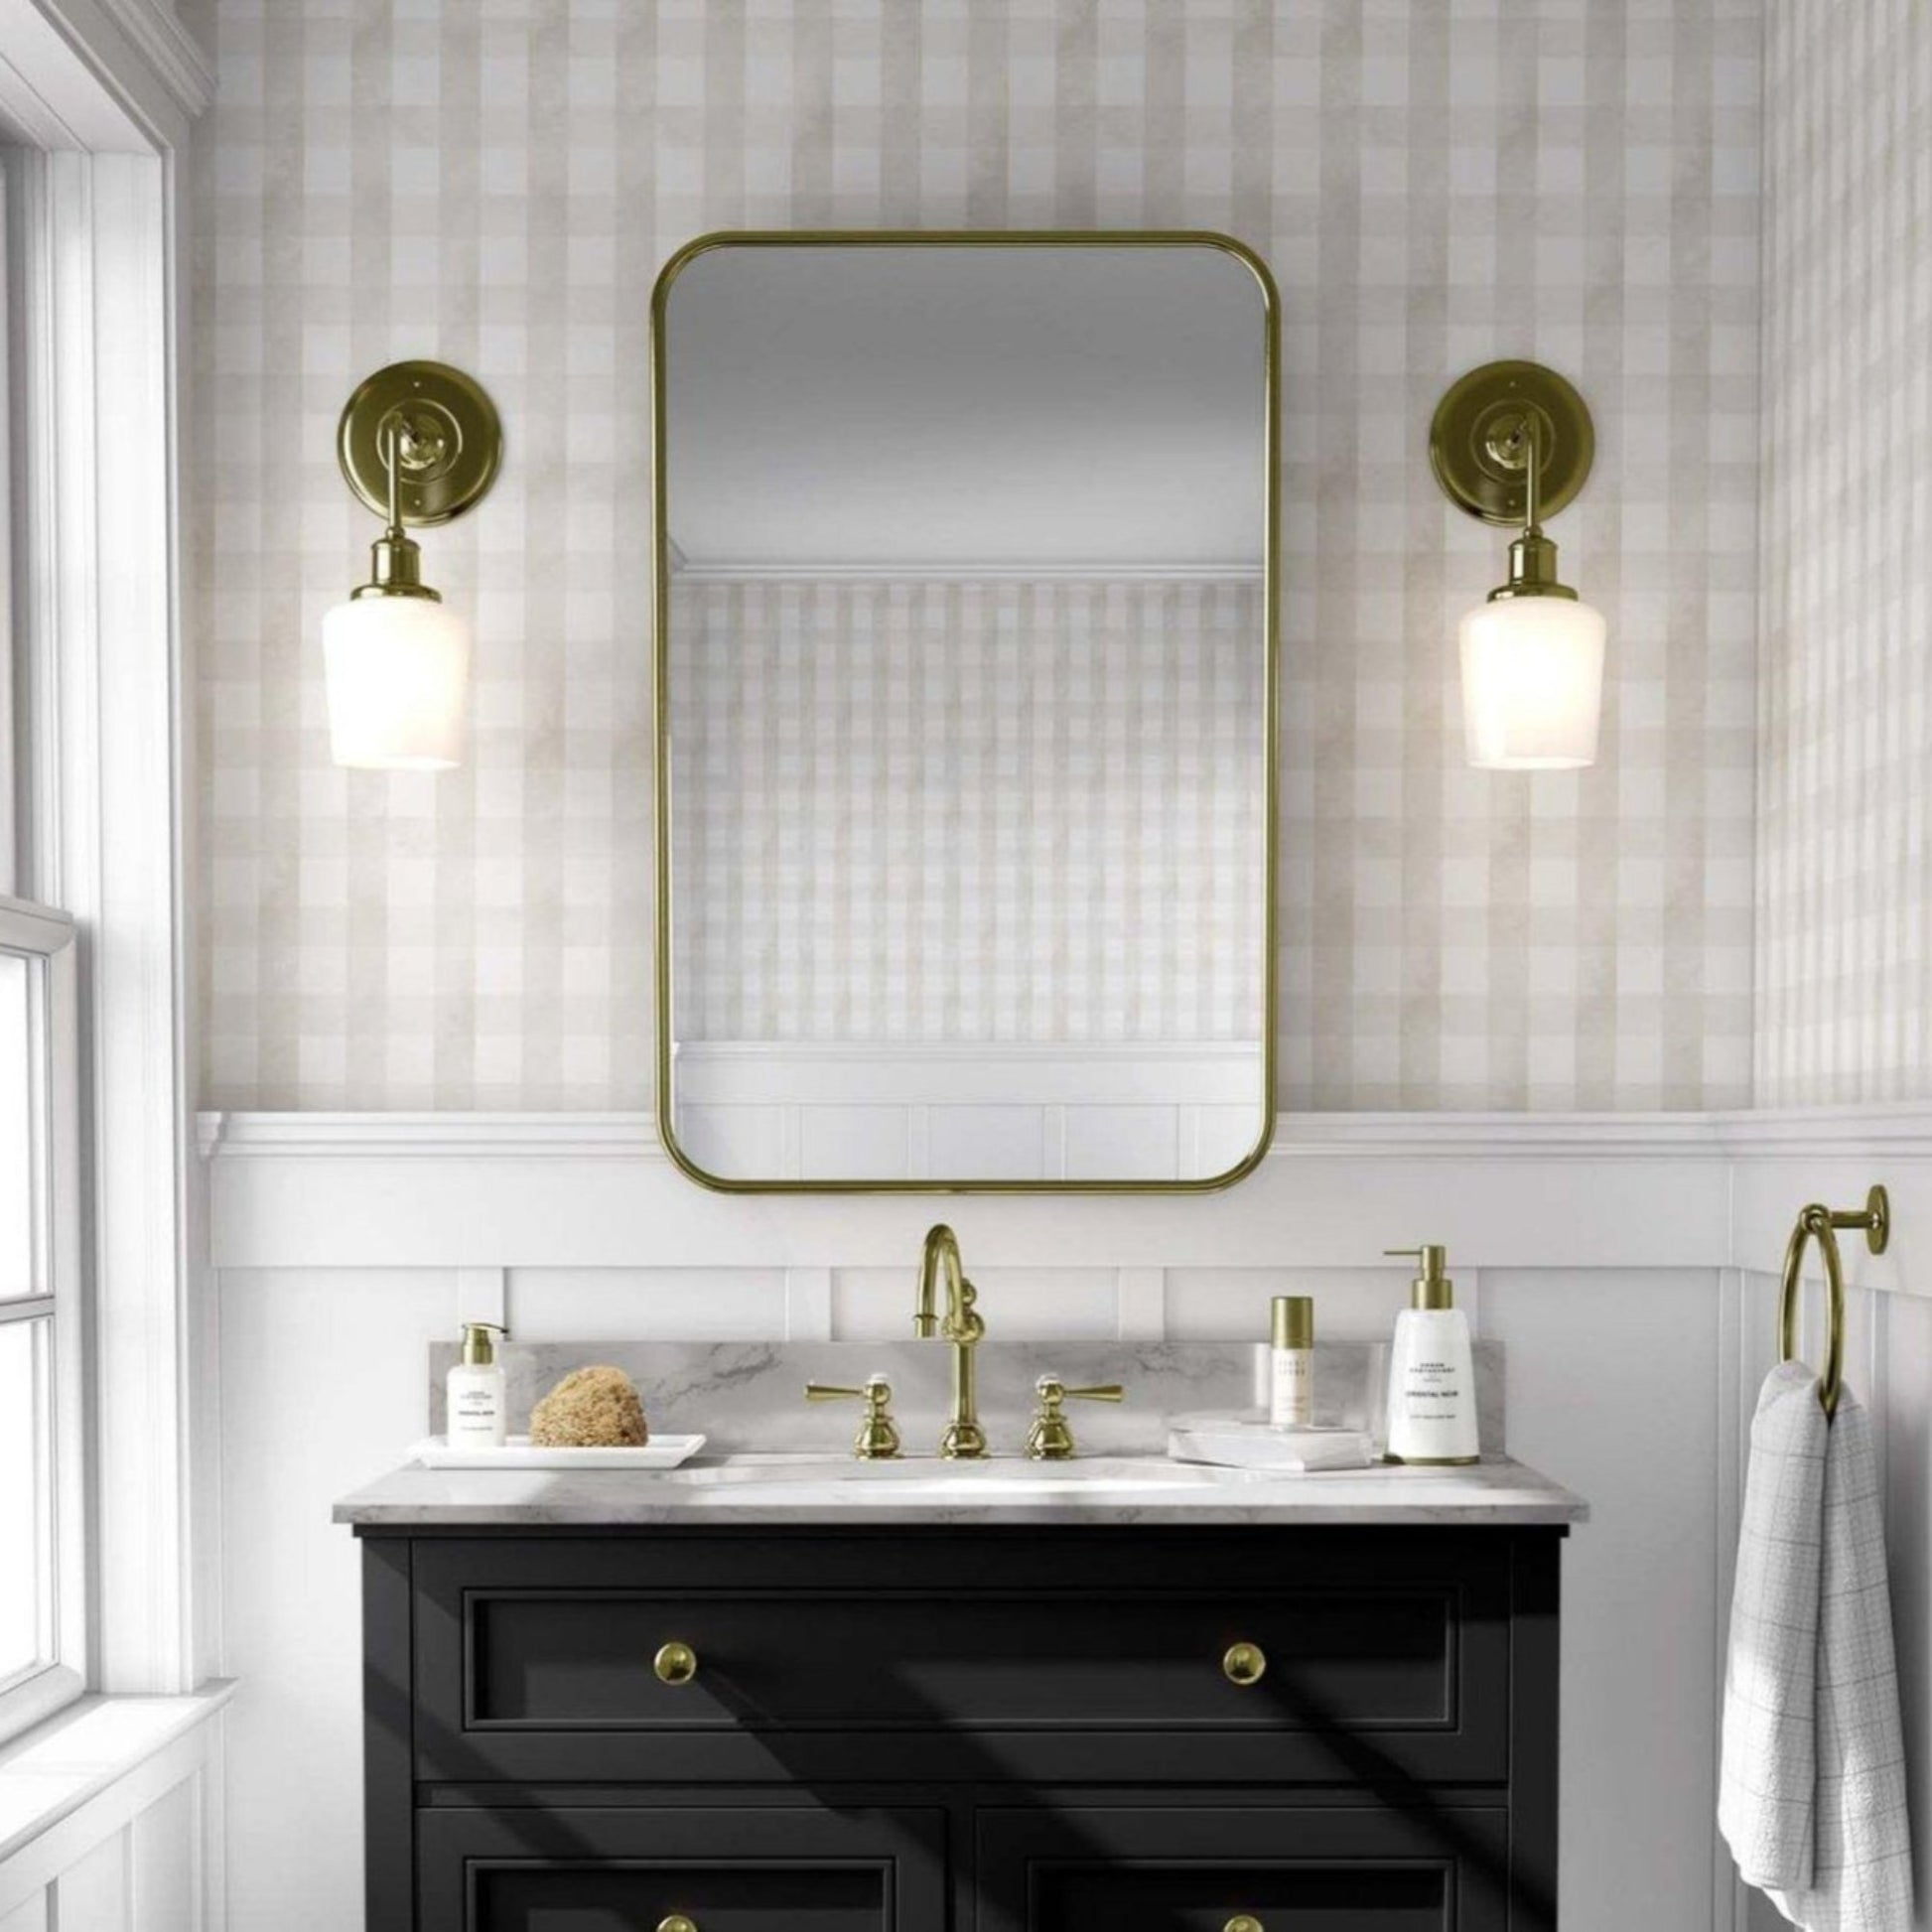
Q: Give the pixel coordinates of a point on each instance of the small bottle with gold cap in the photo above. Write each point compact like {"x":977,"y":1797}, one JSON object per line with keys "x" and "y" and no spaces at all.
{"x":476,"y":1418}
{"x":1432,"y":1373}
{"x":1291,"y":1361}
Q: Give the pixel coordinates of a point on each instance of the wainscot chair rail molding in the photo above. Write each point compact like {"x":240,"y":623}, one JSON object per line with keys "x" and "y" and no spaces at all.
{"x":521,"y":1190}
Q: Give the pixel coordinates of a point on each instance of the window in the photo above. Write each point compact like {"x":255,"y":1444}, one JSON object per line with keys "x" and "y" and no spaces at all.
{"x":42,"y":1497}
{"x":43,"y":1579}
{"x":95,"y":1529}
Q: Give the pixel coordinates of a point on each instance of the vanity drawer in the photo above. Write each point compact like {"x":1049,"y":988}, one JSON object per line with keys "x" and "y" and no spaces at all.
{"x":744,"y":1870}
{"x":1173,"y":1870}
{"x":961,"y":1660}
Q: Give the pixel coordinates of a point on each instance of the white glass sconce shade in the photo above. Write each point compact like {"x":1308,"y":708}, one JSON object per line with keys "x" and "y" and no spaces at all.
{"x":398,"y":672}
{"x":1532,"y":683}
{"x":1512,"y":443}
{"x":419,"y":443}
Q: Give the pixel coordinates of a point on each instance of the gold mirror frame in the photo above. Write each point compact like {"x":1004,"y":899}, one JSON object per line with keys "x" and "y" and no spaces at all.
{"x":660,"y":566}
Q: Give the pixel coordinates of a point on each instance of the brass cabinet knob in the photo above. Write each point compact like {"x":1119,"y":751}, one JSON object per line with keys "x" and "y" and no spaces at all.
{"x":675,"y":1663}
{"x":1244,"y":1664}
{"x":1240,"y":1922}
{"x":677,"y":1922}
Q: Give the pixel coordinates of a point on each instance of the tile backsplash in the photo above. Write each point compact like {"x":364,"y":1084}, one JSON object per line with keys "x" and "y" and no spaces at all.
{"x":1434,"y":185}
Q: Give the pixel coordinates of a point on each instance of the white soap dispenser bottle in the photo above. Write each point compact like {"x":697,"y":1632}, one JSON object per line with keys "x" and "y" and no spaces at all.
{"x":1432,"y":1375}
{"x":476,"y":1407}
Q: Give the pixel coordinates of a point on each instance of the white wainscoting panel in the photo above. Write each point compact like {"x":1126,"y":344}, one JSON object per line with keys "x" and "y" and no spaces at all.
{"x":875,"y":1303}
{"x":109,"y":1818}
{"x":1621,"y":1263}
{"x":323,"y":1375}
{"x":1611,"y":1375}
{"x":1905,"y":1348}
{"x":649,"y":1304}
{"x":163,"y":1869}
{"x":452,"y":1190}
{"x":95,"y":1893}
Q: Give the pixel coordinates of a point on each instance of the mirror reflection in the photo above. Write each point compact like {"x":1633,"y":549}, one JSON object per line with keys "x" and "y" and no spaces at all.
{"x":964,"y":555}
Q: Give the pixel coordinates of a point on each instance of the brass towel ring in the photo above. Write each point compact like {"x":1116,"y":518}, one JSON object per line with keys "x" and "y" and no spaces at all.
{"x":1820,"y":1223}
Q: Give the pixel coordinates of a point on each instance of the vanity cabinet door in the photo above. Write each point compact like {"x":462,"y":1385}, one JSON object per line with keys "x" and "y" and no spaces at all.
{"x":749,"y":1869}
{"x":1340,"y":1869}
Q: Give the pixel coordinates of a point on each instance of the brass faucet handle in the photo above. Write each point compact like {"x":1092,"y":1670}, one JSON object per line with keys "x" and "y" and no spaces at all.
{"x":878,"y":1440}
{"x":1052,"y":1391}
{"x":1051,"y":1440}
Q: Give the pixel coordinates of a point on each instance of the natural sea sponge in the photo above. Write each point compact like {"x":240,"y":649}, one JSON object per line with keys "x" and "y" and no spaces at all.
{"x":590,"y":1408}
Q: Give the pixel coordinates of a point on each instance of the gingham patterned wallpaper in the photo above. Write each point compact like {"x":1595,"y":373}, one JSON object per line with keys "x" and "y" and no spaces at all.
{"x":496,"y":181}
{"x":1845,"y":948}
{"x":1083,"y":759}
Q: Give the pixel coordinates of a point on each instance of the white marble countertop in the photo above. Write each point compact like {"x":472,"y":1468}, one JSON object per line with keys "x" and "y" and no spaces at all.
{"x":755,"y":1488}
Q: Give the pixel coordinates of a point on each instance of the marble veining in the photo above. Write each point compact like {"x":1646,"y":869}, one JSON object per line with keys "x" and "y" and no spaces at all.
{"x":746,"y":1396}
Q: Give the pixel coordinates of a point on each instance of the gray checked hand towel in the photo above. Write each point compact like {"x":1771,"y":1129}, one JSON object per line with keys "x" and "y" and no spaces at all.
{"x":1812,"y":1789}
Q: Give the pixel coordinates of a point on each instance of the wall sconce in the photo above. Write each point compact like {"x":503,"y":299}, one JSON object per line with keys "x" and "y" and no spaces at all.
{"x":1512,"y":443}
{"x":419,"y":443}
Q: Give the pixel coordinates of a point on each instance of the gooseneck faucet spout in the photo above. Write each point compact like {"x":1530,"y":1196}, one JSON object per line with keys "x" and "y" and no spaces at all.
{"x":964,"y":1439}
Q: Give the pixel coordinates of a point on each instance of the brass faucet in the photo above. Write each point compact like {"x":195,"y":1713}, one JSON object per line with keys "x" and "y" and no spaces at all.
{"x":964,"y":1439}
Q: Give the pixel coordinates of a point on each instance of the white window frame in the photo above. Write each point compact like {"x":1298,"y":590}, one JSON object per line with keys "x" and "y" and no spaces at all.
{"x":47,"y":938}
{"x":97,"y":98}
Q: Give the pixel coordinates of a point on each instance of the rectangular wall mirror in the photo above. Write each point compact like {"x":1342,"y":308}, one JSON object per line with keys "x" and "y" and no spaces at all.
{"x":965,"y":673}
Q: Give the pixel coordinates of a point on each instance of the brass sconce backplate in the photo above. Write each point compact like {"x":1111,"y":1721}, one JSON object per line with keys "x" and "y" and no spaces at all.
{"x":449,"y":441}
{"x":1478,"y":441}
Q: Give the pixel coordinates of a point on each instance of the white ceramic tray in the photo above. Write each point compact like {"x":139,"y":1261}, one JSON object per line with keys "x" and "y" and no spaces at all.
{"x":1251,"y":1443}
{"x":660,"y":1452}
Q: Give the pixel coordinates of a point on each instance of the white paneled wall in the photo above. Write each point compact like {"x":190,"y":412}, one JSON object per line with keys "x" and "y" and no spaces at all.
{"x":323,"y":1375}
{"x":135,"y":1789}
{"x":1636,"y":1314}
{"x":1610,"y":1376}
{"x":1902,"y":1366}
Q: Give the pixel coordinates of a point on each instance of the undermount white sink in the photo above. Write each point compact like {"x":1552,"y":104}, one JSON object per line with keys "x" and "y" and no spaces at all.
{"x":746,"y":1479}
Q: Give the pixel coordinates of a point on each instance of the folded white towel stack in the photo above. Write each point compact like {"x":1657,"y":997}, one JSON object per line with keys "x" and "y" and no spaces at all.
{"x":1812,"y":1794}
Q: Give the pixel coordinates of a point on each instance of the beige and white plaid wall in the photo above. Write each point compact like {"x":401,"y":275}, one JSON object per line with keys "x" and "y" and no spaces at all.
{"x":1434,"y":185}
{"x":1845,"y":866}
{"x":946,"y":811}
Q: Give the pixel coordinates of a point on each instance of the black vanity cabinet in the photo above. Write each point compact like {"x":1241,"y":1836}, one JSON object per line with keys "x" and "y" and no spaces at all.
{"x":1028,"y":1727}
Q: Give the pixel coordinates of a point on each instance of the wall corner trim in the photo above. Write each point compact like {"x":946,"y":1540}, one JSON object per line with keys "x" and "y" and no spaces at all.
{"x":171,"y":52}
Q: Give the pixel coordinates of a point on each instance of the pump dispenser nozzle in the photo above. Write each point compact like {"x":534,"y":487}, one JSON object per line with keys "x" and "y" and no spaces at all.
{"x":479,"y":1351}
{"x":1432,"y":1289}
